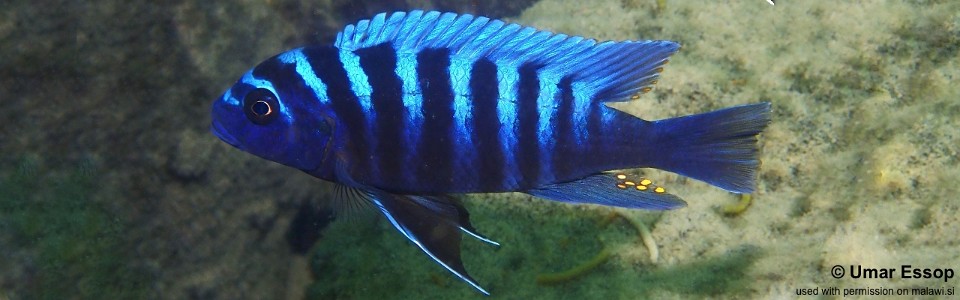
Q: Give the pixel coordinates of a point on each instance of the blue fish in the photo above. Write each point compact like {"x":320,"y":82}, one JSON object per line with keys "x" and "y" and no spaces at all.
{"x":408,"y":108}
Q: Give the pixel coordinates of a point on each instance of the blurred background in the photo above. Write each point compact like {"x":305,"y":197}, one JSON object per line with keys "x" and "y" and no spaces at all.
{"x":113,"y":187}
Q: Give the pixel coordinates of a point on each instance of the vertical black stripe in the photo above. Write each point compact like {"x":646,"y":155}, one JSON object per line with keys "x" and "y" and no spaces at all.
{"x":486,"y":125}
{"x":435,"y":168}
{"x":379,"y":63}
{"x":286,"y":81}
{"x":281,"y":75}
{"x":326,"y":63}
{"x":528,"y":117}
{"x":565,"y":152}
{"x":595,"y":146}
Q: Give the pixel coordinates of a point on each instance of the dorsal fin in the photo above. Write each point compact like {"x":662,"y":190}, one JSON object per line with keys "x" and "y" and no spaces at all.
{"x":610,"y":71}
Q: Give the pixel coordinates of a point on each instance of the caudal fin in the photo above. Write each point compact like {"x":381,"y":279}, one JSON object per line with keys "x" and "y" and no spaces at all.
{"x":718,"y":147}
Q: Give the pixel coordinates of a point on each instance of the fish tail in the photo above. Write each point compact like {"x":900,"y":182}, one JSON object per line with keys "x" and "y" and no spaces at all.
{"x":718,"y":147}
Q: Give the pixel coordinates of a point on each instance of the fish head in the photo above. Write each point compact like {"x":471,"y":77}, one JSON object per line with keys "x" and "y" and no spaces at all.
{"x":270,"y":113}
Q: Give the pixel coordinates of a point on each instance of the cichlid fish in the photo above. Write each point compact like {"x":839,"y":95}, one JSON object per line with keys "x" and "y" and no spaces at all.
{"x":408,"y":108}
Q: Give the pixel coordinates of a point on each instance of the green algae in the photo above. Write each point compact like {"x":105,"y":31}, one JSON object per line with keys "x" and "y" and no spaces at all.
{"x":76,"y":248}
{"x":714,"y":276}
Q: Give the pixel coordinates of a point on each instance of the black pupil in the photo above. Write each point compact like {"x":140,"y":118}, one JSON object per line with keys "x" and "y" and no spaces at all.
{"x":261,"y":108}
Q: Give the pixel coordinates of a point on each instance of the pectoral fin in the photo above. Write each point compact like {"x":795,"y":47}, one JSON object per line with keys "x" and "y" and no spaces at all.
{"x":433,"y":223}
{"x":611,"y":190}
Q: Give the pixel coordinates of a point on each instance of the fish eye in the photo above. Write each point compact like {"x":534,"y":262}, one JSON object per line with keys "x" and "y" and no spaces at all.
{"x":260,"y":106}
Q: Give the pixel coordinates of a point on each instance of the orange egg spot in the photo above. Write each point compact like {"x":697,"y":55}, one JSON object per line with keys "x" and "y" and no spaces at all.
{"x":621,"y":176}
{"x":659,"y":190}
{"x":645,"y":182}
{"x":621,"y":186}
{"x":642,"y":187}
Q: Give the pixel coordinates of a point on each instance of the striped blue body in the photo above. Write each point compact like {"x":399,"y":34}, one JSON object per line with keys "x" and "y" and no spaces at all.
{"x":406,"y":108}
{"x":428,"y":124}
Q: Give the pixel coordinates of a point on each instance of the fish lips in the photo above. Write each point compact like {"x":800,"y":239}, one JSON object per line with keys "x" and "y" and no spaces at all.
{"x":221,"y":133}
{"x":220,"y":112}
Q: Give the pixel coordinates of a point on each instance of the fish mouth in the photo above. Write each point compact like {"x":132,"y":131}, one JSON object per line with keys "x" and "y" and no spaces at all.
{"x":222,"y":133}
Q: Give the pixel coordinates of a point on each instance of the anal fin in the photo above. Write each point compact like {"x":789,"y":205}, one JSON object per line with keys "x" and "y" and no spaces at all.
{"x":611,"y":190}
{"x":433,"y":223}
